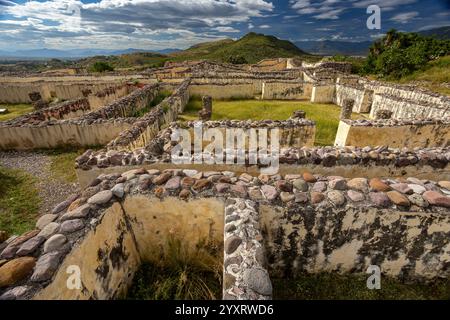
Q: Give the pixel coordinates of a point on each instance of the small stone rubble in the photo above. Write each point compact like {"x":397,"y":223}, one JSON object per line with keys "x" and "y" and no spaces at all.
{"x":28,"y":262}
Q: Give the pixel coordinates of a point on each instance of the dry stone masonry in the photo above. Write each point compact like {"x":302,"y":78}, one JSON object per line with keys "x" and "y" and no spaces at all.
{"x":380,"y":196}
{"x":269,"y":227}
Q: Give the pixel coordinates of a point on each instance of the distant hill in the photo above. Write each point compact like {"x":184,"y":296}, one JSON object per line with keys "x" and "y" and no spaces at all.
{"x":75,"y":53}
{"x":331,"y":48}
{"x":442,"y":33}
{"x":251,"y":48}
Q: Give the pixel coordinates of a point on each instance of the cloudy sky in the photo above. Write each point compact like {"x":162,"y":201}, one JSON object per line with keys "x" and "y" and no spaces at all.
{"x":160,"y":24}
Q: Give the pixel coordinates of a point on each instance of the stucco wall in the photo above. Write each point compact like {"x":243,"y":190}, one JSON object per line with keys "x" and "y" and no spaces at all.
{"x":129,"y":233}
{"x":221,"y":91}
{"x":107,"y":258}
{"x":409,"y":244}
{"x":60,"y":134}
{"x":362,"y":97}
{"x":295,"y":90}
{"x":18,"y":92}
{"x":401,"y":136}
{"x":323,"y":93}
{"x":408,"y":109}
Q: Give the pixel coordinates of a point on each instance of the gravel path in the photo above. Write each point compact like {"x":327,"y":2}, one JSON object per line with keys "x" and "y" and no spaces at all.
{"x":51,"y":191}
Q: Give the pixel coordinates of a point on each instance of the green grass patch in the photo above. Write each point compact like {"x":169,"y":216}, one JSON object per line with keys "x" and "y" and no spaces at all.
{"x":332,"y":286}
{"x":325,"y":115}
{"x":62,"y":166}
{"x":180,"y":274}
{"x":19,"y":201}
{"x":15,"y":110}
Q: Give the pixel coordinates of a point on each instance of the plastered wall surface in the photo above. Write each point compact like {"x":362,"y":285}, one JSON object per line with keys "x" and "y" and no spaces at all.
{"x":401,"y":136}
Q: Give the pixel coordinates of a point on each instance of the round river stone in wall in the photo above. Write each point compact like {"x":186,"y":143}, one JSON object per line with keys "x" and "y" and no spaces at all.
{"x":101,"y":197}
{"x":232,"y":243}
{"x":71,"y":226}
{"x":54,"y":243}
{"x":45,"y":220}
{"x":49,"y":230}
{"x":16,"y":270}
{"x":258,"y":280}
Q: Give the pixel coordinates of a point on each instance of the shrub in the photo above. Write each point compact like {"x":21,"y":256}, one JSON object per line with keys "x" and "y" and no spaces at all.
{"x":237,"y":60}
{"x":399,"y":54}
{"x":101,"y":66}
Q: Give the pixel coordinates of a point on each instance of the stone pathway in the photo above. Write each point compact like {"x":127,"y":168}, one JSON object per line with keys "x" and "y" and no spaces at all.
{"x":51,"y":191}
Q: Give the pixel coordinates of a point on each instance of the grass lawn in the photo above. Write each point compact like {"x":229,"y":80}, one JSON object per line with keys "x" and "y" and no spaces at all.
{"x":325,"y":115}
{"x":62,"y":164}
{"x":328,"y":286}
{"x":19,"y":201}
{"x":15,"y":110}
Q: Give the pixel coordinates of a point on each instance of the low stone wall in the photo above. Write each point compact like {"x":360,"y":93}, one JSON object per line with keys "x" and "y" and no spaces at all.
{"x":323,"y":93}
{"x":361,"y":96}
{"x":292,"y":90}
{"x":94,"y":128}
{"x":18,"y":92}
{"x":146,"y":129}
{"x":427,"y":163}
{"x":405,"y":102}
{"x":63,"y":133}
{"x":339,"y":225}
{"x":244,"y":90}
{"x":292,"y":133}
{"x":126,"y":106}
{"x":411,"y":134}
{"x":72,"y":109}
{"x":403,"y":108}
{"x":293,"y":223}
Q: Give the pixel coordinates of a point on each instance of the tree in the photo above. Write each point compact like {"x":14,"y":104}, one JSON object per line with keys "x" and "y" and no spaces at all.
{"x":399,"y":54}
{"x":101,"y":66}
{"x":237,"y":60}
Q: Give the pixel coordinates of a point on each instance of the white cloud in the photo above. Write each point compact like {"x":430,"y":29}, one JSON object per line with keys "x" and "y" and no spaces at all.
{"x":264,"y":26}
{"x":326,"y":9}
{"x":130,"y":19}
{"x":386,"y":5}
{"x":225,"y":29}
{"x":405,"y":17}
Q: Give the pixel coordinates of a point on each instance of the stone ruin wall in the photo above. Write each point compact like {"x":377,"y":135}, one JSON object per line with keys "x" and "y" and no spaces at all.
{"x":345,"y":161}
{"x":95,"y":128}
{"x":269,"y":226}
{"x":277,"y":225}
{"x":424,"y":133}
{"x":18,"y":92}
{"x":405,"y":102}
{"x":294,"y":133}
{"x":148,"y":126}
{"x":74,"y":108}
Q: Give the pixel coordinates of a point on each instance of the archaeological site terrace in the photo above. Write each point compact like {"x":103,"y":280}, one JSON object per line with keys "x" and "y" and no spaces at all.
{"x":378,"y":195}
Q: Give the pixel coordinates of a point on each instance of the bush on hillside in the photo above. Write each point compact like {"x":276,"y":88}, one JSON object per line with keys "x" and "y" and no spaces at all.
{"x":237,"y":60}
{"x":101,"y":66}
{"x":399,"y":54}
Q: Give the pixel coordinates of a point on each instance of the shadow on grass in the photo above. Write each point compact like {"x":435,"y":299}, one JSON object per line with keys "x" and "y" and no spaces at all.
{"x":333,"y":286}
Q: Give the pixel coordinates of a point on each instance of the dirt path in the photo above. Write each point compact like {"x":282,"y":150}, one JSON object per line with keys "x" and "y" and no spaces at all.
{"x":51,"y":191}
